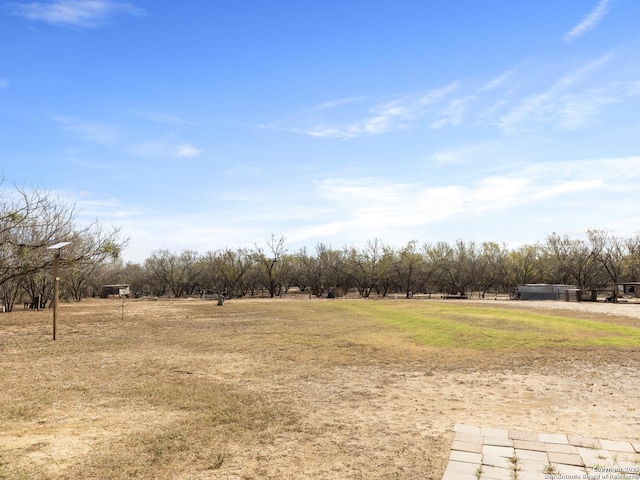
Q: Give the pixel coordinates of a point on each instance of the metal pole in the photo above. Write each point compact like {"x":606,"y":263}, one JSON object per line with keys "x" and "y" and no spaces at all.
{"x":56,"y":288}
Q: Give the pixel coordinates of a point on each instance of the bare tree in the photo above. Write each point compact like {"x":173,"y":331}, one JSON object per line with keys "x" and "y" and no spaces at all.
{"x":455,"y":265}
{"x":632,"y":260}
{"x":9,"y":291}
{"x":157,"y":267}
{"x":363,"y":265}
{"x":273,"y":263}
{"x":611,"y":252}
{"x":179,"y":274}
{"x":408,"y":268}
{"x":226,"y":270}
{"x":491,"y":267}
{"x":38,"y":286}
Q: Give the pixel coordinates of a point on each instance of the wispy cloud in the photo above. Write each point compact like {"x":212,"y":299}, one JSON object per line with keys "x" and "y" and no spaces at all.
{"x":164,"y":146}
{"x":573,"y":78}
{"x":567,"y":111}
{"x":160,"y":117}
{"x":569,"y":103}
{"x":73,"y":13}
{"x":103,"y":208}
{"x":497,"y":82}
{"x":96,"y":132}
{"x":331,"y":120}
{"x":383,"y":118}
{"x":338,"y":103}
{"x":89,"y":165}
{"x":590,"y":21}
{"x":453,"y":114}
{"x":532,"y":96}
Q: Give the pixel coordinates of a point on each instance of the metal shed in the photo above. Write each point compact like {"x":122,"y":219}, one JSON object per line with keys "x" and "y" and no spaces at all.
{"x":542,"y":291}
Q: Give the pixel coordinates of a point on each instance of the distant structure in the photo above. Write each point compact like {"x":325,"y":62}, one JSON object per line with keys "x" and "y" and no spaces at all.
{"x":543,"y":291}
{"x":115,"y":291}
{"x":631,"y":289}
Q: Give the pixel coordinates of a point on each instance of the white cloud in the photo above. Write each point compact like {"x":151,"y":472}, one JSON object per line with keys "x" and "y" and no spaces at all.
{"x":377,"y":208}
{"x":567,"y":187}
{"x":446,"y":157}
{"x":468,"y":154}
{"x":372,"y":204}
{"x":187,"y":151}
{"x":590,"y":21}
{"x":74,"y":13}
{"x":519,"y":203}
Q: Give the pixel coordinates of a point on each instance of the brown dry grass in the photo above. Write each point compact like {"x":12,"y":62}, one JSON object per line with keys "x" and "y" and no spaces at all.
{"x":282,"y":389}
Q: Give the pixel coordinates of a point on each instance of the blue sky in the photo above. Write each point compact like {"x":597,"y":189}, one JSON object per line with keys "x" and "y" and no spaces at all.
{"x":209,"y":124}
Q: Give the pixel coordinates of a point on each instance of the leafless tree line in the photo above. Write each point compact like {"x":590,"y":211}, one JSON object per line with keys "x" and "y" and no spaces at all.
{"x":598,"y":260}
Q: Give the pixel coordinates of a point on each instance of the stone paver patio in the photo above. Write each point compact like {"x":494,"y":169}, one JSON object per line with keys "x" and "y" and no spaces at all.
{"x":479,"y":453}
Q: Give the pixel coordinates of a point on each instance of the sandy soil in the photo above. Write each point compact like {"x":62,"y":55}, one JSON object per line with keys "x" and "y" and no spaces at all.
{"x":379,"y":420}
{"x":385,"y":422}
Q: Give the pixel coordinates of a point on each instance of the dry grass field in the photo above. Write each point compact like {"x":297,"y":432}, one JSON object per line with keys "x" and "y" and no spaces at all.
{"x":302,"y":388}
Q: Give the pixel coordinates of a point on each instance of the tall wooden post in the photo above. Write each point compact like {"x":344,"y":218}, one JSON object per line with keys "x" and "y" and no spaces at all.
{"x":56,"y":292}
{"x":56,"y":282}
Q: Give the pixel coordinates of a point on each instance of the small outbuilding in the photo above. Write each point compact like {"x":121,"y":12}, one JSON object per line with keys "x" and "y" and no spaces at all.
{"x":630,"y":289}
{"x":115,"y":291}
{"x":543,"y":291}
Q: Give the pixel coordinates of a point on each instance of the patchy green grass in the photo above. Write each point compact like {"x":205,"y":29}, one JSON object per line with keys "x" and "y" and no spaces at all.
{"x":441,"y":324}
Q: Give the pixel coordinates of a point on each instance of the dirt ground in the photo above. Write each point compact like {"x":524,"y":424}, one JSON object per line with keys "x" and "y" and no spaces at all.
{"x":378,"y":416}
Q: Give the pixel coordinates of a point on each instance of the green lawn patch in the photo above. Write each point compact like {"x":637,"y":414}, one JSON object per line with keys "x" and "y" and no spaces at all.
{"x":478,"y":327}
